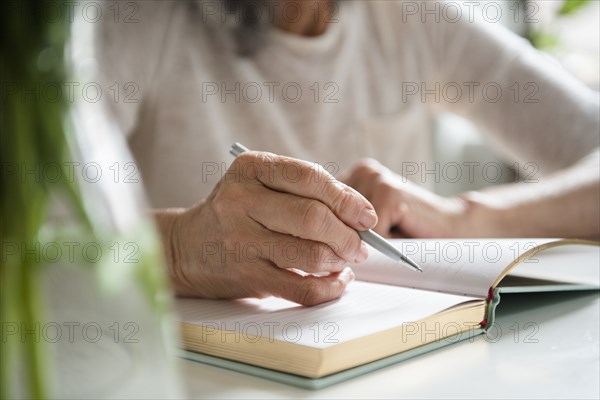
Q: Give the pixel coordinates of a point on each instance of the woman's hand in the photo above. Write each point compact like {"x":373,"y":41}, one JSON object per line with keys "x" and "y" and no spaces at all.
{"x":268,"y":225}
{"x":405,"y":209}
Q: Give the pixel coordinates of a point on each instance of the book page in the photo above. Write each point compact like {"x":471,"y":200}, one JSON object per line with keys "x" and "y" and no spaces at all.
{"x":472,"y":266}
{"x":577,"y":264}
{"x":364,"y":309}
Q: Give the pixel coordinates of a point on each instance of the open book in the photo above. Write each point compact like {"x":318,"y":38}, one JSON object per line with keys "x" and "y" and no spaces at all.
{"x":388,"y":314}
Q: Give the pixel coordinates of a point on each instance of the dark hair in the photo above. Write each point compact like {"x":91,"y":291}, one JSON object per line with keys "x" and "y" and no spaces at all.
{"x":251,"y":24}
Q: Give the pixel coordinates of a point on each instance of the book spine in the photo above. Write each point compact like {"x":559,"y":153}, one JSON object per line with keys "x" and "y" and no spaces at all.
{"x":492,"y":302}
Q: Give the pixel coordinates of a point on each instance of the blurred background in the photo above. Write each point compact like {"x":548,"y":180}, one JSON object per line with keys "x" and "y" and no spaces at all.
{"x":34,"y":132}
{"x":566,"y":30}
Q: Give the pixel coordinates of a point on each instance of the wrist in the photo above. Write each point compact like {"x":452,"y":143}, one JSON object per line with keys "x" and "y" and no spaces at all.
{"x":479,"y":217}
{"x":168,"y":222}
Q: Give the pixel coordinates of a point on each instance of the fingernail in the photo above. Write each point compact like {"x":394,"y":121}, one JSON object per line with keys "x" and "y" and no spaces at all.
{"x":347,"y":275}
{"x":363,"y":253}
{"x":368,"y":218}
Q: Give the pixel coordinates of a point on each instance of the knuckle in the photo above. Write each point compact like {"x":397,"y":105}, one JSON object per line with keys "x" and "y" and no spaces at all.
{"x":311,"y":258}
{"x":350,"y":244}
{"x":309,"y":175}
{"x":246,"y":158}
{"x":220,"y":204}
{"x":314,"y":216}
{"x":228,"y":198}
{"x":348,"y":200}
{"x":241,"y":167}
{"x":309,"y":293}
{"x":330,"y":261}
{"x":321,"y":258}
{"x":267,"y":160}
{"x":367,"y":166}
{"x":289,"y":254}
{"x":250,"y":165}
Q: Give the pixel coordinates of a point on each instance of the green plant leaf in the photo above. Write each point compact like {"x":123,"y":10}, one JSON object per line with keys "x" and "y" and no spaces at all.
{"x":544,"y":40}
{"x":570,"y":6}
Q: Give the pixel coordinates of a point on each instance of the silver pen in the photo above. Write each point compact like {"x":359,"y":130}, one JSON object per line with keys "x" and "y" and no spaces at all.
{"x":369,"y":237}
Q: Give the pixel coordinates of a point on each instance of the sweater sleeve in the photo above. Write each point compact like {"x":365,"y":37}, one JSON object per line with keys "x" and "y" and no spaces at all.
{"x":531,"y":108}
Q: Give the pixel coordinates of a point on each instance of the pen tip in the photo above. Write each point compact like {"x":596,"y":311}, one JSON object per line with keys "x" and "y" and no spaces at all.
{"x":412,"y":264}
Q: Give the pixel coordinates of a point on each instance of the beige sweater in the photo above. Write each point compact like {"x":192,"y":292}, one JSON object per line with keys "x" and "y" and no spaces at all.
{"x":367,"y":87}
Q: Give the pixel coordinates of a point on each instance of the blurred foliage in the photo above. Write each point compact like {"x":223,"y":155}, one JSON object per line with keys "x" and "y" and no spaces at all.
{"x":571,"y":6}
{"x":543,"y":40}
{"x":547,"y":40}
{"x":35,"y":133}
{"x":32,"y":137}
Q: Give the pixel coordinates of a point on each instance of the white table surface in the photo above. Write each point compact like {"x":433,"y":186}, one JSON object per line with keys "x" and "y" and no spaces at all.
{"x":548,"y":348}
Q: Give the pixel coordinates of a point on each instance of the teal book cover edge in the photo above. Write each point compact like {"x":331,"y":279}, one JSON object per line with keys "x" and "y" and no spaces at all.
{"x":494,"y":297}
{"x":326,"y":381}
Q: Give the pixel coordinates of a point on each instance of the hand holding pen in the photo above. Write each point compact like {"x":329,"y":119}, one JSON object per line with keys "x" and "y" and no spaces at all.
{"x":370,"y":237}
{"x":261,"y":233}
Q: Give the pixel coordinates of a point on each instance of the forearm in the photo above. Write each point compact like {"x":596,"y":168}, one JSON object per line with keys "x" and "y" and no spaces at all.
{"x":566,"y":204}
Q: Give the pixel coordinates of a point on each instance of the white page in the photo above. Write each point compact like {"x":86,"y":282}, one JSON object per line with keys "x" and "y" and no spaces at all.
{"x":364,"y":309}
{"x":461,"y":266}
{"x":573,"y":264}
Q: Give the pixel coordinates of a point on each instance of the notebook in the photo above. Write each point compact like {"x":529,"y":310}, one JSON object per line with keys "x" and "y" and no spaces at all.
{"x":390,"y":313}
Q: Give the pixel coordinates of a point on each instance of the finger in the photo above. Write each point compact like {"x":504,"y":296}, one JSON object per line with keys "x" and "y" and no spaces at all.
{"x":393,"y":219}
{"x":308,"y":290}
{"x":367,"y":177}
{"x":306,"y":179}
{"x":307,"y":219}
{"x":385,"y":226}
{"x":363,"y":176}
{"x":388,"y":210}
{"x":345,"y":177}
{"x":286,"y":251}
{"x":385,"y":200}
